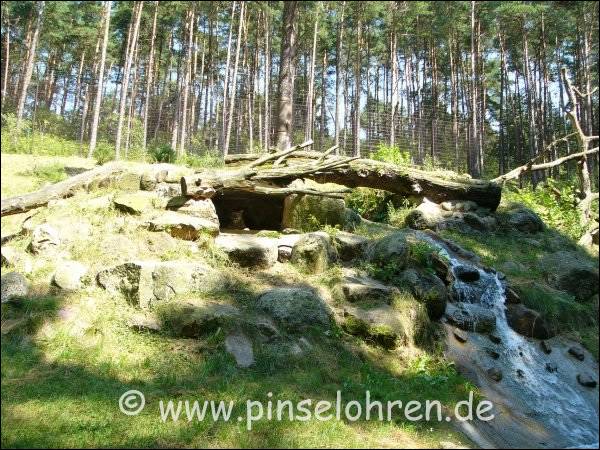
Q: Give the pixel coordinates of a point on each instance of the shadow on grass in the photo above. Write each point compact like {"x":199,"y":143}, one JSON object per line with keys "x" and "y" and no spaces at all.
{"x":55,"y":396}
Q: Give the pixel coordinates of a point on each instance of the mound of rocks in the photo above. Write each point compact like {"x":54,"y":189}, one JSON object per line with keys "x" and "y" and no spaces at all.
{"x":295,"y":307}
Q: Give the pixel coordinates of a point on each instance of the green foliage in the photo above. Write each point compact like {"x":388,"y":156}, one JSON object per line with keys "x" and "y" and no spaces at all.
{"x":392,"y":154}
{"x":51,"y":173}
{"x":162,"y":154}
{"x":369,"y":203}
{"x":554,"y":202}
{"x":207,"y":159}
{"x":104,"y":152}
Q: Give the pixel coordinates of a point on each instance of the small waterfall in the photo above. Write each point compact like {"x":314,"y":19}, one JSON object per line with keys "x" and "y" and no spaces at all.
{"x":566,"y":411}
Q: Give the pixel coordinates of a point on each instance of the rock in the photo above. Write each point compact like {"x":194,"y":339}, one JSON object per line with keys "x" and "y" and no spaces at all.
{"x":144,"y":323}
{"x":428,"y":289}
{"x":168,"y":190}
{"x":512,"y":297}
{"x":300,"y":210}
{"x":546,"y":348}
{"x":284,"y":253}
{"x":577,"y":353}
{"x":203,"y":209}
{"x":495,"y":374}
{"x":295,"y":307}
{"x":240,"y":347}
{"x":68,"y":275}
{"x":379,"y":325}
{"x":492,"y":353}
{"x":313,"y":253}
{"x":364,"y":289}
{"x":471,"y":317}
{"x":525,"y":220}
{"x":441,"y":266}
{"x":551,"y":367}
{"x":183,"y":226}
{"x":248,"y":250}
{"x":460,"y":337}
{"x":145,"y":283}
{"x":44,"y":238}
{"x":160,"y":243}
{"x":476,"y":222}
{"x":95,"y":203}
{"x":14,"y":258}
{"x":267,"y":328}
{"x":128,"y":181}
{"x":512,"y":267}
{"x":459,"y":205}
{"x":495,"y":339}
{"x":196,"y":317}
{"x":527,"y":322}
{"x":571,"y":272}
{"x":13,"y":286}
{"x":586,"y":381}
{"x":466,"y":274}
{"x":390,"y":250}
{"x":426,"y":216}
{"x":350,"y":246}
{"x":134,"y":203}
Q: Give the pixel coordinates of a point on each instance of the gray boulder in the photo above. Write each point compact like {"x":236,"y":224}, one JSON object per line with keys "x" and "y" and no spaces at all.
{"x":204,"y":208}
{"x":313,"y":253}
{"x":134,"y":203}
{"x":471,"y":317}
{"x":295,"y":307}
{"x":427,"y":215}
{"x":248,"y":250}
{"x":392,"y":249}
{"x":196,"y":318}
{"x":14,"y":258}
{"x":68,"y":275}
{"x":183,"y":226}
{"x":364,"y":289}
{"x":524,"y":220}
{"x":240,"y":347}
{"x":571,"y":272}
{"x":527,"y":322}
{"x":427,"y":289}
{"x":44,"y":238}
{"x":350,"y":246}
{"x":12,"y":286}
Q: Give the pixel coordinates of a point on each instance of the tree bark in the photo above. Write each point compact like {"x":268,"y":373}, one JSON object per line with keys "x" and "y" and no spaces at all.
{"x":97,"y":104}
{"x":149,"y":78}
{"x":286,"y":74}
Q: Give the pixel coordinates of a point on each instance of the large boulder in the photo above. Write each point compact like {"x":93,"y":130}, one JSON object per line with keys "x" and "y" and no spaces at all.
{"x":355,"y":289}
{"x":571,"y":272}
{"x":239,"y":346}
{"x":527,"y":322}
{"x":13,"y":285}
{"x":300,"y":211}
{"x":248,"y":250}
{"x":524,"y":220}
{"x":390,"y":250}
{"x":313,"y":252}
{"x":183,"y":226}
{"x":195,"y":318}
{"x":428,"y":289}
{"x":15,"y":258}
{"x":426,"y":216}
{"x":146,"y":283}
{"x":135,"y":203}
{"x":68,"y":275}
{"x":471,"y":317}
{"x":350,"y":246}
{"x":44,"y":238}
{"x":202,"y":208}
{"x":295,"y":307}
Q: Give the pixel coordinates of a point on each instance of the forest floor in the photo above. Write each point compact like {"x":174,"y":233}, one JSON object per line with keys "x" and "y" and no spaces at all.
{"x":67,"y":358}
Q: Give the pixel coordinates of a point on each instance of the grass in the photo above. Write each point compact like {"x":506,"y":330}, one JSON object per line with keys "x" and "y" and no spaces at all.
{"x":69,"y":357}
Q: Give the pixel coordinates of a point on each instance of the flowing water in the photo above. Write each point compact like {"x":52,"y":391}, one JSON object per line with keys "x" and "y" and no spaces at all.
{"x":534,"y":408}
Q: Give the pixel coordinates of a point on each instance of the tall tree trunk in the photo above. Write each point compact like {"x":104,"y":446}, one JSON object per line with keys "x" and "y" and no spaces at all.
{"x":149,"y":80}
{"x":286,"y":74}
{"x":186,"y":80}
{"x":394,"y":64}
{"x":5,"y":72}
{"x":29,"y":64}
{"x":338,"y":74}
{"x":234,"y":78}
{"x":308,"y":134}
{"x":357,"y":86}
{"x":227,"y":70}
{"x":322,"y":131}
{"x":474,"y":150}
{"x":125,"y":81}
{"x":97,"y":105}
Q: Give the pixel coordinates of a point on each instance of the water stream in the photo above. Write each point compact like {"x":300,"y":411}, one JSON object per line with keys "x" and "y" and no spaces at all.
{"x":534,"y":407}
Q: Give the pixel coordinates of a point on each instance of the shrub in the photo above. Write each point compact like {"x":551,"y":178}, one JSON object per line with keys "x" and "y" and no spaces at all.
{"x":392,"y":154}
{"x":162,"y":154}
{"x":104,"y":153}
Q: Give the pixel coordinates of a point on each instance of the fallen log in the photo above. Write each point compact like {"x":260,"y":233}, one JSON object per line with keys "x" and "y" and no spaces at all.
{"x":353,"y":172}
{"x":62,"y":189}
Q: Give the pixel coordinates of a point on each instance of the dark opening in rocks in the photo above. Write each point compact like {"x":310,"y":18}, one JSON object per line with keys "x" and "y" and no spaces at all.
{"x":249,"y":210}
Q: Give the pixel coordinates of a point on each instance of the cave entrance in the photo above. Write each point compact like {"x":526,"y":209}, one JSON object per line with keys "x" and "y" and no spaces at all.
{"x":255,"y":211}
